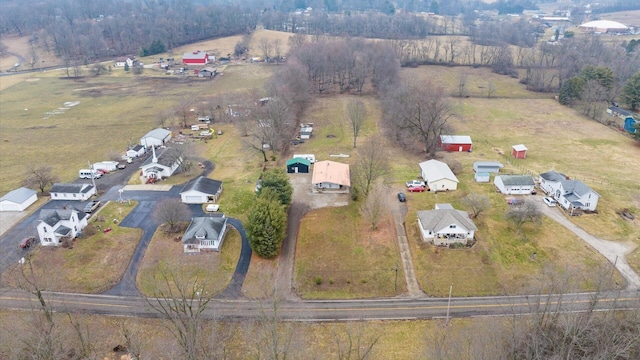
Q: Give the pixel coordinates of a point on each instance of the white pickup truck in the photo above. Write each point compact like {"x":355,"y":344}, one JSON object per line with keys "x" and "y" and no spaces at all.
{"x":413,"y":183}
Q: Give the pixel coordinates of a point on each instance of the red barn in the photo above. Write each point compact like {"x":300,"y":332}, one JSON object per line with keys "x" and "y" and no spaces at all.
{"x":195,"y":58}
{"x":519,"y":151}
{"x":455,"y":143}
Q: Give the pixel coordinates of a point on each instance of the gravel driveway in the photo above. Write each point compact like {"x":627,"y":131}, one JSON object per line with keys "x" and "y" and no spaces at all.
{"x":615,"y":252}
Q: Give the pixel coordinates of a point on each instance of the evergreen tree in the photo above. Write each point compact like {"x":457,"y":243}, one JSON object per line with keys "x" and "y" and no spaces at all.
{"x":278,"y":181}
{"x":570,"y":91}
{"x":631,"y":92}
{"x":267,"y":223}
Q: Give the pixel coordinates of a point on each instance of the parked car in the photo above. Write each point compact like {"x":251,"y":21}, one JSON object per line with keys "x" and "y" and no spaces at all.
{"x":415,"y":189}
{"x":413,"y":183}
{"x":91,"y":206}
{"x":122,"y":166}
{"x":514,"y":201}
{"x":402,"y":197}
{"x":549,"y":201}
{"x":27,"y":242}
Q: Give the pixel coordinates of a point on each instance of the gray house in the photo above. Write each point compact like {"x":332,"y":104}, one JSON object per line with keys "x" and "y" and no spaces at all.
{"x":205,"y":234}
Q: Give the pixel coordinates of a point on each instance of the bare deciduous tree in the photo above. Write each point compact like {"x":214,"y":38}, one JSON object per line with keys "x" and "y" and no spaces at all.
{"x":266,"y":47}
{"x":352,"y":343}
{"x":477,"y":203}
{"x":356,"y":113}
{"x":372,"y":164}
{"x":183,"y":110}
{"x":39,"y":177}
{"x":374,"y":207}
{"x":171,"y":212}
{"x":524,"y":213}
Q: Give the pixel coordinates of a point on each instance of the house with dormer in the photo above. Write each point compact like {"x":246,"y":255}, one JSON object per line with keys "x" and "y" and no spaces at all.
{"x":445,"y":226}
{"x":205,"y":234}
{"x":56,"y":224}
{"x":570,"y":194}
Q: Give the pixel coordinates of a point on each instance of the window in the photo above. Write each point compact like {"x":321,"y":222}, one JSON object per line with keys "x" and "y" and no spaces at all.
{"x":44,"y":229}
{"x":452,"y":226}
{"x":48,"y":240}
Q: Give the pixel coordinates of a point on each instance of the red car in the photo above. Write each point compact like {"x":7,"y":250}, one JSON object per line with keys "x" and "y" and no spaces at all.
{"x":416,"y":189}
{"x":27,"y":242}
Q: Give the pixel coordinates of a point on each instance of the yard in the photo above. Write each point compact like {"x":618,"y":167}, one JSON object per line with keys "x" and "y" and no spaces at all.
{"x":94,"y":264}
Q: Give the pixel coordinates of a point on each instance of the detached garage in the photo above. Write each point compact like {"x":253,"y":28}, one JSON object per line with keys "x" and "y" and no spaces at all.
{"x":298,"y":165}
{"x":514,"y":184}
{"x":18,"y":199}
{"x":201,"y":190}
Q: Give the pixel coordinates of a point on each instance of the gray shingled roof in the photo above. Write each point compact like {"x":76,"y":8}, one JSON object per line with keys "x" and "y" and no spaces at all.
{"x":69,"y":188}
{"x":442,"y":218}
{"x":53,"y":216}
{"x":63,"y":230}
{"x":164,"y":158}
{"x":203,"y":185}
{"x":137,"y":147}
{"x":18,"y":195}
{"x":570,"y":186}
{"x":521,"y":180}
{"x":209,"y":227}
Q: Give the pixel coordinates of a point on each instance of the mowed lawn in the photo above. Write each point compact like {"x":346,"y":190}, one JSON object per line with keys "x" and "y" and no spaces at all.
{"x":93,"y":264}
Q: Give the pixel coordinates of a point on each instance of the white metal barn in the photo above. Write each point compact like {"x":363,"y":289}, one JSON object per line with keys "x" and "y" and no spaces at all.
{"x":18,"y":199}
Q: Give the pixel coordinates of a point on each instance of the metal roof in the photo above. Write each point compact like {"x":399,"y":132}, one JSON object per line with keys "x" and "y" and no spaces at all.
{"x":18,"y":195}
{"x":455,"y":139}
{"x":434,"y":170}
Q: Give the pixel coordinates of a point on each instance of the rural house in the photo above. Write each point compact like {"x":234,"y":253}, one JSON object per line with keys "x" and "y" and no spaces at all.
{"x":68,"y":191}
{"x":628,"y":120}
{"x":125,"y":61}
{"x":18,"y":199}
{"x":438,"y":176}
{"x":519,"y":151}
{"x":161,"y":166}
{"x":446,"y":226}
{"x":514,"y":184}
{"x":156,"y":137}
{"x":455,"y":143}
{"x":570,"y":194}
{"x":195,"y":58}
{"x":201,"y":190}
{"x":331,"y":175}
{"x":207,"y":72}
{"x":55,"y":224}
{"x":136,"y":151}
{"x":205,"y":234}
{"x":298,"y":165}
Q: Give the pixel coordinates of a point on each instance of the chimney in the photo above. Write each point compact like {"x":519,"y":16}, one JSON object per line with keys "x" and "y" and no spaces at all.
{"x":155,"y":158}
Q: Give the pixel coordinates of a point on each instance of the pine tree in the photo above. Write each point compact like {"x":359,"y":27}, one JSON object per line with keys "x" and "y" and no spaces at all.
{"x":278,"y":181}
{"x":267,"y":224}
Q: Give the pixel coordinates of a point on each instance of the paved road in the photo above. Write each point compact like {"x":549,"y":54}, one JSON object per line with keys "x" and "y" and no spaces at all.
{"x":615,"y":252}
{"x":333,"y":310}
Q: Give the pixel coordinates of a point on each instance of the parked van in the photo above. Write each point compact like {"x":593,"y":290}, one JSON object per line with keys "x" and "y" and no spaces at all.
{"x":88,"y":174}
{"x":310,"y":157}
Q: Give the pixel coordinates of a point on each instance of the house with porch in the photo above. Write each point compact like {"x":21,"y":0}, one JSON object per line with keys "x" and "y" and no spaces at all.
{"x":445,"y":226}
{"x":56,"y":224}
{"x":572,"y":195}
{"x":201,"y":190}
{"x":161,"y":166}
{"x":67,"y":191}
{"x":205,"y":234}
{"x":331,"y":175}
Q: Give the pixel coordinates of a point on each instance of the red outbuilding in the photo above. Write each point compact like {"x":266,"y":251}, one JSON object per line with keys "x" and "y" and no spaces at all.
{"x":455,"y":143}
{"x":519,"y":151}
{"x":195,"y":58}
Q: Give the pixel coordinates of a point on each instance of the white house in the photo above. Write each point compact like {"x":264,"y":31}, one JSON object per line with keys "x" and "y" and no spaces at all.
{"x":570,"y":194}
{"x":67,"y":191}
{"x":126,"y":60}
{"x":446,"y":226}
{"x":205,"y":234}
{"x":54,"y":224}
{"x":201,"y":190}
{"x":18,"y":199}
{"x":136,"y":151}
{"x":156,"y":137}
{"x":331,"y":175}
{"x":438,"y":176}
{"x":514,"y":184}
{"x":161,"y":166}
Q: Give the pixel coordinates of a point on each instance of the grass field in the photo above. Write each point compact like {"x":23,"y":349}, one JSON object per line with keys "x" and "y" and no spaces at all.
{"x":94,"y":264}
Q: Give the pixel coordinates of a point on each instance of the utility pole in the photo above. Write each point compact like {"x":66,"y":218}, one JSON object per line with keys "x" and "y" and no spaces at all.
{"x":93,"y":177}
{"x":395,"y":287}
{"x":449,"y":303}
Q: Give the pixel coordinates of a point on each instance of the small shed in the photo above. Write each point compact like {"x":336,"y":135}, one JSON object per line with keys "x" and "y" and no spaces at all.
{"x":519,"y":151}
{"x":487,"y":166}
{"x":630,"y":125}
{"x":455,"y":143}
{"x":136,"y":151}
{"x":298,"y":165}
{"x":482,"y":177}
